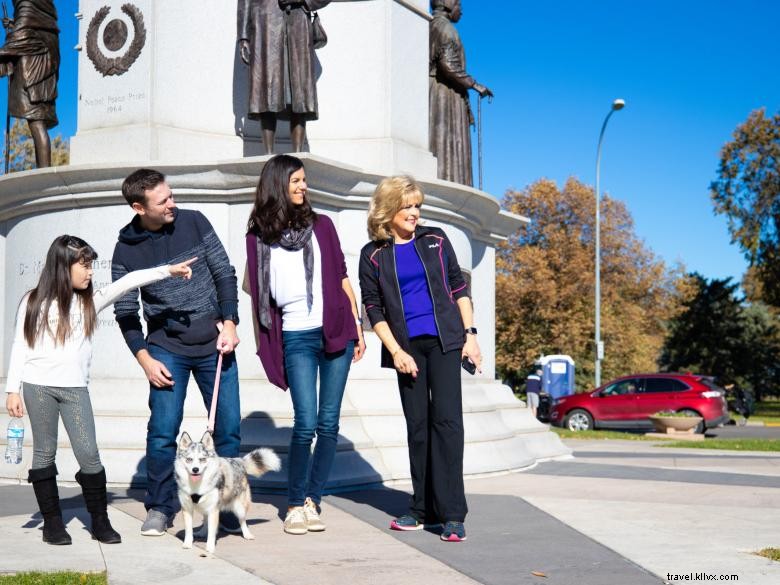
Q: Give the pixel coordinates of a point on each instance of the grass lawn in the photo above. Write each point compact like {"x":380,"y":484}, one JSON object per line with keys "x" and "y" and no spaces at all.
{"x":725,"y":444}
{"x":728,"y":444}
{"x":567,"y":434}
{"x":767,"y":411}
{"x":770,"y":553}
{"x":62,"y":578}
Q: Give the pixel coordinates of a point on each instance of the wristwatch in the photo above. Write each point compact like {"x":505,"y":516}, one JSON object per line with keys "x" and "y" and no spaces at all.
{"x":472,"y":330}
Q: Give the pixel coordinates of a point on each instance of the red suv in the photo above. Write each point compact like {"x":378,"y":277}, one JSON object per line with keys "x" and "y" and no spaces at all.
{"x":627,"y":402}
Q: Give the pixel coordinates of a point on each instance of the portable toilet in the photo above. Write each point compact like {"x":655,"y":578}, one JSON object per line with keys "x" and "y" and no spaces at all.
{"x":557,"y":375}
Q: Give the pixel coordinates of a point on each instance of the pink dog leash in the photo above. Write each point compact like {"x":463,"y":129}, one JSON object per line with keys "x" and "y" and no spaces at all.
{"x":213,"y":410}
{"x":215,"y":394}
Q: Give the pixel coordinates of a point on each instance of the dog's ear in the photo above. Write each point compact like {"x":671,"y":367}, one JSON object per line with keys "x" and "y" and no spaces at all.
{"x":184,"y":441}
{"x":208,"y":441}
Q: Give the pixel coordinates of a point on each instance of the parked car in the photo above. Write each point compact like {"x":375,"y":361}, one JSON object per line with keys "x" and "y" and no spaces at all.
{"x":627,"y":402}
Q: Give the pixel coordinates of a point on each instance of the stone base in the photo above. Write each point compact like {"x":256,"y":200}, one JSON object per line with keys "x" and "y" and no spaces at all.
{"x":501,"y":435}
{"x":36,"y":206}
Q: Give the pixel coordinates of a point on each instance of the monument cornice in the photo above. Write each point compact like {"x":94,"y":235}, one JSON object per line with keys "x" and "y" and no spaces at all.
{"x":331,"y":184}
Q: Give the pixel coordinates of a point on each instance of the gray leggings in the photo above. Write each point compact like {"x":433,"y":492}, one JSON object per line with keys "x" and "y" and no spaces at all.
{"x":45,"y":405}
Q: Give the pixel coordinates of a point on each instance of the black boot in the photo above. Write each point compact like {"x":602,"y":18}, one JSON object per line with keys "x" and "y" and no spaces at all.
{"x":44,"y":481}
{"x":93,"y":486}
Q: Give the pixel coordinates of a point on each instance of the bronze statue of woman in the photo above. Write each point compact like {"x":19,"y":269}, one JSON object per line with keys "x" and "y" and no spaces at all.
{"x":275,"y":40}
{"x":31,"y":56}
{"x":450,"y":115}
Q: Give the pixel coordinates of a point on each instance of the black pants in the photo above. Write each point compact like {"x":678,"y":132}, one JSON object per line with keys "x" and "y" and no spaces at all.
{"x":434,"y":425}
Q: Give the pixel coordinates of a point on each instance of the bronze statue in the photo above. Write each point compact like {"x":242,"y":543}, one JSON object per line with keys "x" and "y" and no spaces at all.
{"x":449,"y":112}
{"x":31,"y":56}
{"x":275,"y":40}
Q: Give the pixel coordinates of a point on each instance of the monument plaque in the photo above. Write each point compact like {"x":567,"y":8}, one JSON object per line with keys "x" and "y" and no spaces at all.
{"x":111,"y":46}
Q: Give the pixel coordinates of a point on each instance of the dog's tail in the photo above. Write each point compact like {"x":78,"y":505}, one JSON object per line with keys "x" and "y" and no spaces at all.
{"x":261,"y":460}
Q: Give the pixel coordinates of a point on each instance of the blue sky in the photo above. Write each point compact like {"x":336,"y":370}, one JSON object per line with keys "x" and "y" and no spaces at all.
{"x":689,"y":71}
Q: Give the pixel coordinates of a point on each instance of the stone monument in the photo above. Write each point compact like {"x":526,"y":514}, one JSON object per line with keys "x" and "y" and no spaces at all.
{"x":169,"y":91}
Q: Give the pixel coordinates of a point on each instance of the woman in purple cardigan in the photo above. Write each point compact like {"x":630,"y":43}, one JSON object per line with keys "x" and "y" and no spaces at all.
{"x":307,"y":321}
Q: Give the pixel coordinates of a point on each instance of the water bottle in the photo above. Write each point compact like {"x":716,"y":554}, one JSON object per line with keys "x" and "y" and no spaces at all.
{"x":15,"y":438}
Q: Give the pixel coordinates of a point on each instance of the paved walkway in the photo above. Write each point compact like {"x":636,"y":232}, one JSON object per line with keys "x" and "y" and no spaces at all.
{"x":619,"y":512}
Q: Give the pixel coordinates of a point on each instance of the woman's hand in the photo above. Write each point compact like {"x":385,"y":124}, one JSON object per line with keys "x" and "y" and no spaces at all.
{"x":405,"y":363}
{"x":13,"y":402}
{"x":182,"y":268}
{"x":471,"y":350}
{"x":360,"y":347}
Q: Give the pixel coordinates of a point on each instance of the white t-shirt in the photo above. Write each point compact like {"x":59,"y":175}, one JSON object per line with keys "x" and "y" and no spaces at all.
{"x":288,"y":287}
{"x":67,"y":365}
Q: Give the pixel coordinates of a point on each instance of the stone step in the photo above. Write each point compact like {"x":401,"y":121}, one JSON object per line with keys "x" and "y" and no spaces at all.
{"x":500,"y":433}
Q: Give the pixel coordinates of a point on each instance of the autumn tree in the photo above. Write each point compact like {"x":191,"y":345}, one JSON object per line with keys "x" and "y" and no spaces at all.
{"x":747,"y":192}
{"x":545,"y":286}
{"x":22,"y":151}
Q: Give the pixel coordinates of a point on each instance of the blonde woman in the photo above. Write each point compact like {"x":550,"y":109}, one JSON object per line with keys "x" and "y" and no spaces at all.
{"x":418,"y":303}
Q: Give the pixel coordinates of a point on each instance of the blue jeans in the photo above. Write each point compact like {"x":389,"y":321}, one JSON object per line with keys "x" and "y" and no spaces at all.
{"x":167,"y":409}
{"x":304,"y":354}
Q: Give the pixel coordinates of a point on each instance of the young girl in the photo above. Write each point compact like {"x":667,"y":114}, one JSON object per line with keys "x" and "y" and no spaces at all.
{"x":307,"y":325}
{"x":50,"y":360}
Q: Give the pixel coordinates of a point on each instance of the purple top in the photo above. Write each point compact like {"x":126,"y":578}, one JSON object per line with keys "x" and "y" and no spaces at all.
{"x":338,"y":322}
{"x":418,"y":306}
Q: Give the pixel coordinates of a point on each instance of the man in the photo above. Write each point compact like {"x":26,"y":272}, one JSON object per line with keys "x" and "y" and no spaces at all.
{"x":182,"y":334}
{"x":533,"y":386}
{"x":449,"y":115}
{"x":31,"y":57}
{"x":275,"y":40}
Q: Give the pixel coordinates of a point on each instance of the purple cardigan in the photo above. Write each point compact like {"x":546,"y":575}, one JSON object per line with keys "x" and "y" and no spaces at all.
{"x":338,"y":322}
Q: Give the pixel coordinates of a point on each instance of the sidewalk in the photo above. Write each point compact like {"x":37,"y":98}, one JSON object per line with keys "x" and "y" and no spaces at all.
{"x":620,"y":512}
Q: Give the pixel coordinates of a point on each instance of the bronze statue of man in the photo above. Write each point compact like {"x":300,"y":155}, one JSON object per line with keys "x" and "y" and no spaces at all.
{"x":275,"y":40}
{"x":449,"y":112}
{"x":31,"y":56}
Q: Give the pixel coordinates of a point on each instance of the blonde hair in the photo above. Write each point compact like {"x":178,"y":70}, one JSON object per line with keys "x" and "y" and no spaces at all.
{"x":389,"y":197}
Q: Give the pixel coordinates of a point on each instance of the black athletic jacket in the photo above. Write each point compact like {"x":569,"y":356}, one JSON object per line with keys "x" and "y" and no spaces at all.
{"x":381,"y":292}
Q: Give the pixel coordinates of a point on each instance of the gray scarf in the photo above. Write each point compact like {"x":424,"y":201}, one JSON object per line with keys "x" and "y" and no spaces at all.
{"x":291,"y":240}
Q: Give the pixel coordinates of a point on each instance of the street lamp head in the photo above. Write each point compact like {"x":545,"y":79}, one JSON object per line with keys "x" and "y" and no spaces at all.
{"x":618,"y":104}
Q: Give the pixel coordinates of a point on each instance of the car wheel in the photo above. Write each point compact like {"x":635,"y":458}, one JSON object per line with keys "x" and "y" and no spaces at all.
{"x":688,"y":412}
{"x":578,"y":420}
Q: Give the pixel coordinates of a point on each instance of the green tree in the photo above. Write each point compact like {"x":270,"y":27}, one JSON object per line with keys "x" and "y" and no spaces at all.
{"x":717,"y":334}
{"x":747,"y":192}
{"x":762,"y":340}
{"x":22,"y":151}
{"x":545,"y":286}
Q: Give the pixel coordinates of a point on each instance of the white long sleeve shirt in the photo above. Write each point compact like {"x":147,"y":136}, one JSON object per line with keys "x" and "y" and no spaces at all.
{"x":288,"y":287}
{"x":67,"y":365}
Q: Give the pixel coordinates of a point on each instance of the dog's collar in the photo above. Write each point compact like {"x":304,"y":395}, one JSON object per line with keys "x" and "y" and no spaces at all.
{"x":195,"y":498}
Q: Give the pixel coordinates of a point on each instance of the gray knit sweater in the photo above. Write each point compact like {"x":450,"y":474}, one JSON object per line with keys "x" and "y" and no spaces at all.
{"x":181,"y":315}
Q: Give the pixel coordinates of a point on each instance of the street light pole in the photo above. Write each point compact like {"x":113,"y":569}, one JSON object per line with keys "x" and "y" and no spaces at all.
{"x":618,"y":104}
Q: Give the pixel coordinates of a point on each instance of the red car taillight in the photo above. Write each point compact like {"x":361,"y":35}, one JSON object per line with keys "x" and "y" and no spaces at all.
{"x":711,"y":394}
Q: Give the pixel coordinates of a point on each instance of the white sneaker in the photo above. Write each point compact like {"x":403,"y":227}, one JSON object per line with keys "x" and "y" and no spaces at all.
{"x":156,"y":523}
{"x":313,"y":521}
{"x":295,"y":521}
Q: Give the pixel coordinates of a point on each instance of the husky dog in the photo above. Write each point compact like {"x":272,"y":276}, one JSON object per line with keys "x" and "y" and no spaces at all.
{"x":209,"y":483}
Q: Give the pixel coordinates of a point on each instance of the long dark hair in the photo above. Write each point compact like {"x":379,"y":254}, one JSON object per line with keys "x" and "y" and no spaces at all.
{"x":55,"y":285}
{"x":273,"y":211}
